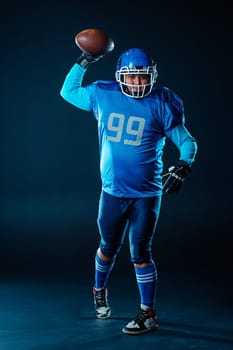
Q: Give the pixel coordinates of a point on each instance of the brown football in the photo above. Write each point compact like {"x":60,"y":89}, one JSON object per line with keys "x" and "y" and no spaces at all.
{"x":94,"y":41}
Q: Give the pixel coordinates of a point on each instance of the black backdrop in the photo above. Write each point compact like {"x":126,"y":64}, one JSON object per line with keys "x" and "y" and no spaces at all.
{"x":49,"y":171}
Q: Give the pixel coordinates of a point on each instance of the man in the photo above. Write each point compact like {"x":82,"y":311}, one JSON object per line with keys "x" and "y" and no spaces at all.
{"x":134,"y":118}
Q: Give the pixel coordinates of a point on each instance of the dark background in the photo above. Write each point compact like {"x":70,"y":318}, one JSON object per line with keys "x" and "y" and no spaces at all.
{"x":49,"y":162}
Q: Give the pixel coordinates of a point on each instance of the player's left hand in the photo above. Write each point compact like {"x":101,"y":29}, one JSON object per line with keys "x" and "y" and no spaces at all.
{"x":176,"y":177}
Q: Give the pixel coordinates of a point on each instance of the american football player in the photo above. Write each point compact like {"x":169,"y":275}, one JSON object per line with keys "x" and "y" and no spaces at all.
{"x":134,"y":118}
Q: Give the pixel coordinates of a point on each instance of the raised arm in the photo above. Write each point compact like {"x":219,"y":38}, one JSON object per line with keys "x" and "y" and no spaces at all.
{"x":94,"y":44}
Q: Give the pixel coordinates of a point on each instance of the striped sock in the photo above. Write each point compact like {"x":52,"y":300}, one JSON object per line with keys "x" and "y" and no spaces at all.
{"x":102,"y":271}
{"x":147,"y":280}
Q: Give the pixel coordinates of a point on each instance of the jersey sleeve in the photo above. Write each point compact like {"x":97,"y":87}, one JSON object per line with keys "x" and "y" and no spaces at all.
{"x":174,"y":126}
{"x":72,"y":90}
{"x":174,"y":110}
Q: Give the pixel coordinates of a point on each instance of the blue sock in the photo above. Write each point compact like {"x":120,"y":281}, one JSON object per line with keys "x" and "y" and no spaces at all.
{"x":102,"y":271}
{"x":147,"y":281}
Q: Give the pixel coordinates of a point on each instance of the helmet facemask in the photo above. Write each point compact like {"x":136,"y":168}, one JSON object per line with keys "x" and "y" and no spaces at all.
{"x":139,"y":90}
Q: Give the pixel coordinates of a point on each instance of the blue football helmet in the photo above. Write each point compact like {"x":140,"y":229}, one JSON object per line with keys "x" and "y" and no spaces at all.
{"x":136,"y":61}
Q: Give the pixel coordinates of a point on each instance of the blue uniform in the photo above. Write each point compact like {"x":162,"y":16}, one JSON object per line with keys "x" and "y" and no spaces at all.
{"x":132,"y":135}
{"x":131,"y":132}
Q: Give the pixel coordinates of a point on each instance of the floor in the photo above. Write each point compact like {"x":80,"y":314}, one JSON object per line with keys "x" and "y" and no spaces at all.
{"x":56,"y":313}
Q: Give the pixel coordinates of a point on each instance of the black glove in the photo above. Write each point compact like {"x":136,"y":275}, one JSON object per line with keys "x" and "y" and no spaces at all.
{"x":84,"y":60}
{"x":176,"y":177}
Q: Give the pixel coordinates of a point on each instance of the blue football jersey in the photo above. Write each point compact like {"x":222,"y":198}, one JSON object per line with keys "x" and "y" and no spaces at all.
{"x":131,"y":133}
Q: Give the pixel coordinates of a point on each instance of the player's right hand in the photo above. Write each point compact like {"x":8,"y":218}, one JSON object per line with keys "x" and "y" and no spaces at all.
{"x":84,"y":60}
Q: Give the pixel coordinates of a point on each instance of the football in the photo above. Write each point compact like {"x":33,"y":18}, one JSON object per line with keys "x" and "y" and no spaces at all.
{"x":94,"y":41}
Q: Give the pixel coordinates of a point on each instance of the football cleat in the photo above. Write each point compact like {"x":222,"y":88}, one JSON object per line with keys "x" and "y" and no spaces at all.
{"x":102,"y":308}
{"x":145,"y":321}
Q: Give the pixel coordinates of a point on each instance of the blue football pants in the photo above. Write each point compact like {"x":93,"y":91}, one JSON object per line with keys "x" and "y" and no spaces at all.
{"x":137,"y":216}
